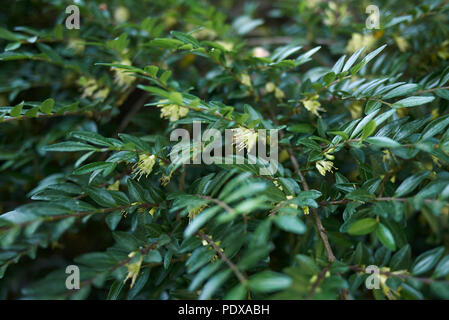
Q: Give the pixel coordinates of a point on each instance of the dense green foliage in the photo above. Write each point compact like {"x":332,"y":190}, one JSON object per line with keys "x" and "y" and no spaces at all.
{"x":86,"y":176}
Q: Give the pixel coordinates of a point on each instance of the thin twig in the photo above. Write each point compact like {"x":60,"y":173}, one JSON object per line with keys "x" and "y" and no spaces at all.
{"x":315,"y":285}
{"x":223,"y":256}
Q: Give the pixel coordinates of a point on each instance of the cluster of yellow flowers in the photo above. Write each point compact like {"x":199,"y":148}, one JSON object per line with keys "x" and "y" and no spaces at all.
{"x":359,"y":41}
{"x":334,"y":14}
{"x":144,"y":166}
{"x":244,"y":138}
{"x":389,"y":293}
{"x":173,"y":112}
{"x":91,"y":88}
{"x":122,"y":77}
{"x":77,"y":45}
{"x":324,"y":166}
{"x":313,"y":105}
{"x":278,"y":93}
{"x":196,"y":211}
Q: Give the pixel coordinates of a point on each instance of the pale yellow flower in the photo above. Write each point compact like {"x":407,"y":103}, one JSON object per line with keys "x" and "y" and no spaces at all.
{"x":77,"y":45}
{"x":228,"y":46}
{"x":360,"y":40}
{"x":121,"y":14}
{"x":279,"y":94}
{"x":260,"y":52}
{"x":133,"y":269}
{"x":277,"y":184}
{"x":270,"y":87}
{"x":312,"y":105}
{"x":246,"y":80}
{"x":324,"y":166}
{"x":292,"y":205}
{"x":173,"y":112}
{"x":122,"y":77}
{"x":356,"y":109}
{"x":101,"y":94}
{"x":114,"y":186}
{"x":165,"y":180}
{"x":312,"y":3}
{"x":402,"y":44}
{"x":244,"y":138}
{"x":389,"y":293}
{"x":89,"y":86}
{"x":443,"y":51}
{"x":195,"y":211}
{"x":145,"y":165}
{"x":204,"y":33}
{"x":334,"y":13}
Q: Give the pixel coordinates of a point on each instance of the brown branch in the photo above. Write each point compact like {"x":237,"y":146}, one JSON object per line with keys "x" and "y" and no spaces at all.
{"x":134,"y":109}
{"x":222,"y":255}
{"x":401,"y":276}
{"x":319,"y":224}
{"x":222,"y":204}
{"x":315,"y":285}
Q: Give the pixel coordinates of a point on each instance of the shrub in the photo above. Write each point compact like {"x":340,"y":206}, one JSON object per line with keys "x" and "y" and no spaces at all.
{"x":89,"y":178}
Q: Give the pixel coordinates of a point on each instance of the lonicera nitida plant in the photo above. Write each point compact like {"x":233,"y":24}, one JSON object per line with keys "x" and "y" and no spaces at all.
{"x":357,"y":208}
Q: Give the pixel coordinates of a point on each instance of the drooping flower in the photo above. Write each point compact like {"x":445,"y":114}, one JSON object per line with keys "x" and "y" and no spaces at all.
{"x":93,"y":88}
{"x":88,"y":85}
{"x":77,"y":45}
{"x":145,"y":165}
{"x":443,"y":50}
{"x":279,"y":94}
{"x":292,"y":205}
{"x":245,"y":79}
{"x":114,"y":186}
{"x":165,"y":180}
{"x":195,"y":211}
{"x":324,"y":166}
{"x":245,"y":138}
{"x":133,"y":268}
{"x":305,"y":210}
{"x":173,"y":112}
{"x":390,"y":293}
{"x":402,"y":43}
{"x":122,"y":76}
{"x":313,"y":105}
{"x":101,"y":94}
